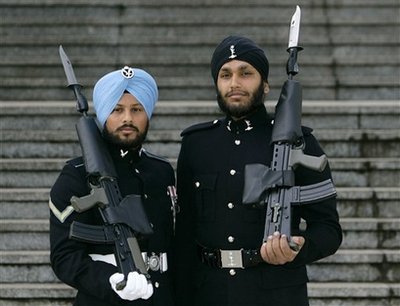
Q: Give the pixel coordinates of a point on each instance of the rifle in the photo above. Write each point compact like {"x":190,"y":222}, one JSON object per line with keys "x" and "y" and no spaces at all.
{"x":274,"y":187}
{"x":123,"y":218}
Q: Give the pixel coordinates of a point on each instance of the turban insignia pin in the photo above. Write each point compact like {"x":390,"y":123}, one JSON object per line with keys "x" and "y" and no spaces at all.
{"x":127,"y":72}
{"x":232,"y":49}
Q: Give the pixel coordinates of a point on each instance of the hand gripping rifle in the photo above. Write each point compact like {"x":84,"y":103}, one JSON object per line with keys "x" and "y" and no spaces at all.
{"x":123,"y":218}
{"x":274,"y":186}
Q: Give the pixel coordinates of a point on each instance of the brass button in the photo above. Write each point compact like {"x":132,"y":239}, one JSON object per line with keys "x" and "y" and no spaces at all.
{"x":230,"y":205}
{"x":232,"y":172}
{"x":232,"y":272}
{"x":231,"y":239}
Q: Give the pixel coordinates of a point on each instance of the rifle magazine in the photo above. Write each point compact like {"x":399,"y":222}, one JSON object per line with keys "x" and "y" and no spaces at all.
{"x":316,"y":192}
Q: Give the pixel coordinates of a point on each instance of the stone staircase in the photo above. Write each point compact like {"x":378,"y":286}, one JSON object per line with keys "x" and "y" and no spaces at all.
{"x":351,"y":46}
{"x":350,"y":72}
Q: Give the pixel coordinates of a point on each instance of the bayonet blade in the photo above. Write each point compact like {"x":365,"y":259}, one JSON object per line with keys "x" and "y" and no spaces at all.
{"x":69,"y":71}
{"x":81,"y":102}
{"x":294,"y":28}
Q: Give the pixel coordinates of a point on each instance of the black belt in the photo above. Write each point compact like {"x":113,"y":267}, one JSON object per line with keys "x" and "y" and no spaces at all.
{"x":230,"y":258}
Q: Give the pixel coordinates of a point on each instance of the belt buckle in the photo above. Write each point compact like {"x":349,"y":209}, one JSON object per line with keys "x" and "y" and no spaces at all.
{"x":231,"y":259}
{"x":154,"y":262}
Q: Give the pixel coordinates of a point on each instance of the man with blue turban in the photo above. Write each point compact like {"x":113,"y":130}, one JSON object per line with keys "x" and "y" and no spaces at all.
{"x":124,"y":101}
{"x":110,"y":88}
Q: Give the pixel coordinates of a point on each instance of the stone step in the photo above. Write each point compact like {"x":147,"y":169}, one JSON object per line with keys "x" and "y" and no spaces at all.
{"x":347,"y":172}
{"x":354,"y":294}
{"x":321,"y":294}
{"x":362,"y":233}
{"x":363,"y":172}
{"x":26,"y":267}
{"x":182,"y":13}
{"x":63,"y":143}
{"x":372,"y":202}
{"x":346,"y":266}
{"x":368,"y":202}
{"x":359,"y":233}
{"x":39,"y":294}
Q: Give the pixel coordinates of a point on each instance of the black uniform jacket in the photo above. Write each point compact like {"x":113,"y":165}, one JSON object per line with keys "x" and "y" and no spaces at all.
{"x":138,"y":173}
{"x":210,"y":187}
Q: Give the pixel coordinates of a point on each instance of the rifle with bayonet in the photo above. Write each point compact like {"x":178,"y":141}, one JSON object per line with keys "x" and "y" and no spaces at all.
{"x":124,"y":218}
{"x":274,"y":187}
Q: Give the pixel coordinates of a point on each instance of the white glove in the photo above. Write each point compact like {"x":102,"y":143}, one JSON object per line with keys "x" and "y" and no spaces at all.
{"x":136,"y":287}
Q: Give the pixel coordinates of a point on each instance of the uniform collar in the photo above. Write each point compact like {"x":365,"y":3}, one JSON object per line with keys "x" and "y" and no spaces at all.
{"x":124,"y":156}
{"x":259,"y":117}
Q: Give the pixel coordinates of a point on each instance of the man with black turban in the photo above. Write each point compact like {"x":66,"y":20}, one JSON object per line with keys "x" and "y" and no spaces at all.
{"x":221,"y":258}
{"x":124,"y":101}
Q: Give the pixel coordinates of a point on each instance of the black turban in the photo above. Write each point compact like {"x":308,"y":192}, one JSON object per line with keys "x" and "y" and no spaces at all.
{"x":242,"y":49}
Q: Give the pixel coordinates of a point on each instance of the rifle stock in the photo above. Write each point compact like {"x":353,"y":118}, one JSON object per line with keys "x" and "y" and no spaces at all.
{"x":287,"y":122}
{"x":98,"y":162}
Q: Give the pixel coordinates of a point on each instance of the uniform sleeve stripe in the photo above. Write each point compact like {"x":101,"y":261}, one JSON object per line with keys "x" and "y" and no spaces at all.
{"x":60,"y":215}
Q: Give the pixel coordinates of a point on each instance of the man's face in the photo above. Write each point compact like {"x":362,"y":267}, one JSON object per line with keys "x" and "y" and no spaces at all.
{"x":127,"y":125}
{"x":240,"y":88}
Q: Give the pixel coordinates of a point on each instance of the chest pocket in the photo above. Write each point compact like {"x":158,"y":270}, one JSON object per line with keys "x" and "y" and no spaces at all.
{"x":205,"y":197}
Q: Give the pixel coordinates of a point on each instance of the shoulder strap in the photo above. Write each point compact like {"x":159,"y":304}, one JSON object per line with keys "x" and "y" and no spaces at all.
{"x":153,"y":156}
{"x":201,"y":127}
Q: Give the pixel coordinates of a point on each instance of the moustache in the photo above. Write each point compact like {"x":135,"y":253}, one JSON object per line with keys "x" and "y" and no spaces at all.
{"x":130,"y":126}
{"x":236,"y":92}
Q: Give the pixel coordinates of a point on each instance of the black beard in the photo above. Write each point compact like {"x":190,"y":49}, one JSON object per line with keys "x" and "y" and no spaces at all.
{"x":242,"y":111}
{"x":125,"y":144}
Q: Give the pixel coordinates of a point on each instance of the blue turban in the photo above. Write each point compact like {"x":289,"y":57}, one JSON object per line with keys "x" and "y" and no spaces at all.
{"x":110,"y":88}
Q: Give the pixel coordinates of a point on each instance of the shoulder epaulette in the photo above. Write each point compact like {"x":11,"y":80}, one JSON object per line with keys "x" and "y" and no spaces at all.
{"x":151,"y":155}
{"x":201,"y":127}
{"x":76,"y":162}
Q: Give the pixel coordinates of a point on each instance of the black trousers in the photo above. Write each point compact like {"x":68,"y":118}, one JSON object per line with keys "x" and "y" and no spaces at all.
{"x":288,"y":296}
